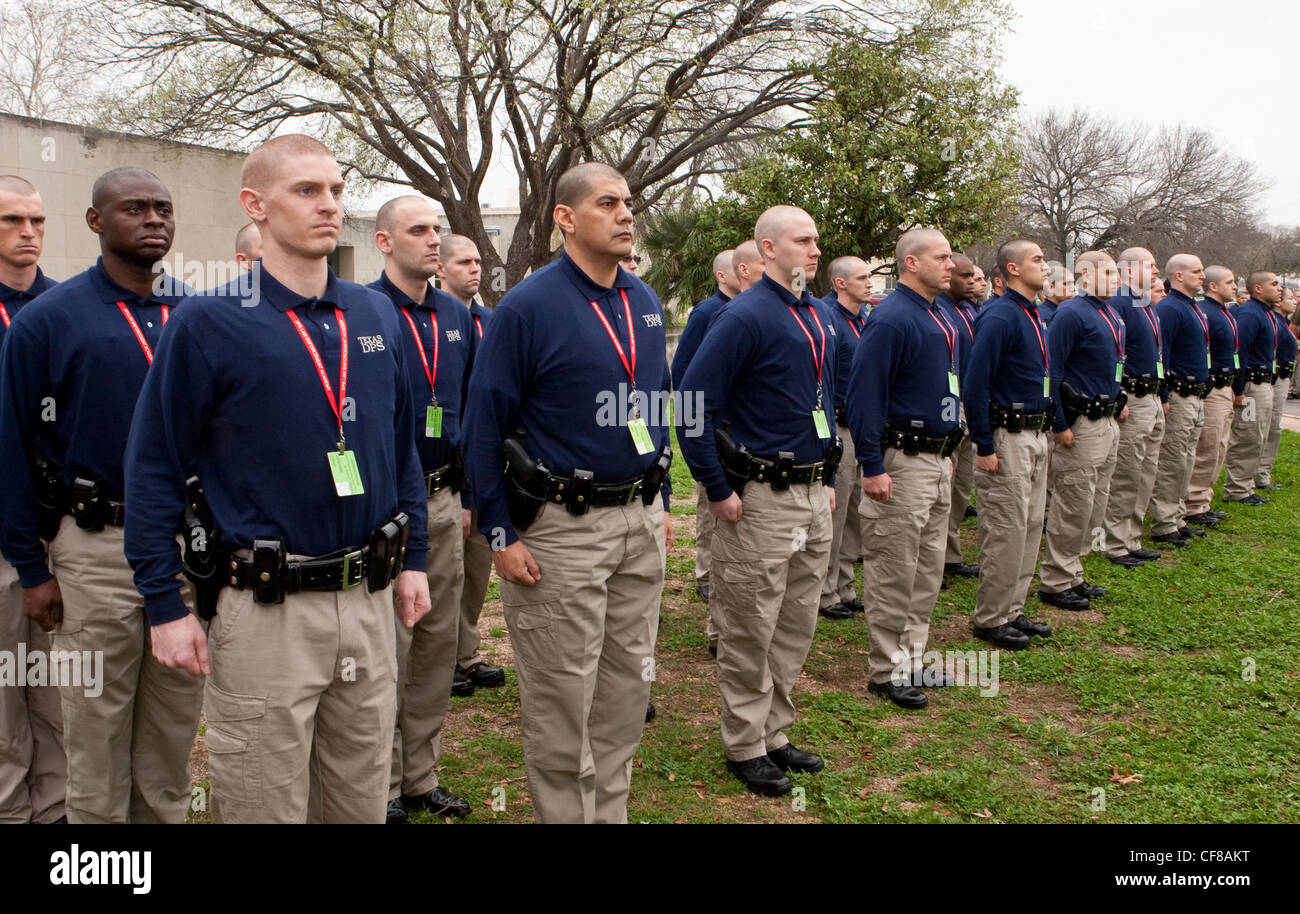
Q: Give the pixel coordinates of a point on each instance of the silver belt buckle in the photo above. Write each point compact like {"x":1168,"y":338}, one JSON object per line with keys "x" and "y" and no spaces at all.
{"x":352,"y":558}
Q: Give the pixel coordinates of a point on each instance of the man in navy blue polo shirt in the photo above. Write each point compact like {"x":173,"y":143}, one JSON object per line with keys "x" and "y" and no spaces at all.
{"x":72,"y":367}
{"x":1286,"y":356}
{"x":461,"y":269}
{"x":572,"y":381}
{"x":766,"y":376}
{"x":438,"y":344}
{"x":1085,"y":344}
{"x":1140,"y":434}
{"x":1212,"y":446}
{"x":904,"y":408}
{"x":1185,"y":341}
{"x":1252,"y":417}
{"x":697,"y":325}
{"x":1005,"y":379}
{"x":955,"y":305}
{"x":850,"y":290}
{"x":293,"y":408}
{"x":33,"y":766}
{"x":1059,"y":289}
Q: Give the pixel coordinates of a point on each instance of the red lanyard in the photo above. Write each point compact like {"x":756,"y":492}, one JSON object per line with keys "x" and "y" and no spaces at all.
{"x":478,"y":325}
{"x":1236,"y":343}
{"x":950,"y":340}
{"x":962,"y":315}
{"x":1272,"y":322}
{"x":819,"y":363}
{"x":4,"y":315}
{"x":431,"y":375}
{"x":1033,"y":322}
{"x":135,"y":328}
{"x":630,"y":365}
{"x":856,"y":331}
{"x":1205,"y":327}
{"x":1155,"y":328}
{"x":320,"y":366}
{"x":1114,"y":331}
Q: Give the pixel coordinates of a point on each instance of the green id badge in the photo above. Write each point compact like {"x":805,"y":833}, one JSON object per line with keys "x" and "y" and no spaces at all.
{"x":1160,"y":370}
{"x":347,"y":478}
{"x":1119,"y":371}
{"x":1236,"y":360}
{"x":1047,"y":386}
{"x":433,"y":422}
{"x":640,"y":435}
{"x":1275,"y":366}
{"x":952,"y":384}
{"x":1209,"y":363}
{"x":819,"y":420}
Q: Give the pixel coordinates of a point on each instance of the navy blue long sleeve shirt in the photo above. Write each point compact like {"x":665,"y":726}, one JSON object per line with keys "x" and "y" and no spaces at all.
{"x":1286,"y":343}
{"x":1006,"y":364}
{"x":70,"y":371}
{"x":1142,"y":341}
{"x":900,"y":374}
{"x":449,"y":361}
{"x":547,"y":365}
{"x":756,"y":371}
{"x":848,"y":331}
{"x":1259,"y":339}
{"x":1185,"y":337}
{"x":1223,"y":336}
{"x":480,"y":314}
{"x":1046,"y":311}
{"x":697,"y":325}
{"x":1085,"y":344}
{"x":13,"y":300}
{"x":235,"y":395}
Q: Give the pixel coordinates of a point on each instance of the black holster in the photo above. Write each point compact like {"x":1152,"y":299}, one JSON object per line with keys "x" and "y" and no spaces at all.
{"x":51,"y":497}
{"x":735,"y":460}
{"x":1072,"y":403}
{"x":202,"y":559}
{"x":654,"y":476}
{"x":521,"y":473}
{"x":834,"y":454}
{"x":387,"y":552}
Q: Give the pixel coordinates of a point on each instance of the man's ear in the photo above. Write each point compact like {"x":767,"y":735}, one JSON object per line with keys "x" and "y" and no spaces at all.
{"x":92,"y":220}
{"x":564,"y":217}
{"x":253,"y":204}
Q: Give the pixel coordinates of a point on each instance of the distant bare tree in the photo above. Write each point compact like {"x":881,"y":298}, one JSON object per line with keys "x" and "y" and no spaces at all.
{"x":45,"y":59}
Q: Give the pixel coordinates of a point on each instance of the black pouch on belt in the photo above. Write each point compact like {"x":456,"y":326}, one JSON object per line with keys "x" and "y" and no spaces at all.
{"x":269,"y":560}
{"x":86,"y":494}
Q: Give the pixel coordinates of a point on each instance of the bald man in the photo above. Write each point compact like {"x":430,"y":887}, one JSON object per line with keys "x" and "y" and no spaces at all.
{"x":33,"y":766}
{"x":438,"y":348}
{"x":766,"y":375}
{"x":1059,"y":289}
{"x":904,"y":411}
{"x":1141,"y":433}
{"x":85,"y":346}
{"x":747,"y":262}
{"x":1212,"y":446}
{"x":1185,"y":343}
{"x":998,"y":280}
{"x":1085,"y":344}
{"x":850,"y":289}
{"x":955,"y":305}
{"x":316,"y":492}
{"x":248,"y":246}
{"x":1253,"y":417}
{"x":697,"y":325}
{"x":1286,"y":358}
{"x":979,"y":291}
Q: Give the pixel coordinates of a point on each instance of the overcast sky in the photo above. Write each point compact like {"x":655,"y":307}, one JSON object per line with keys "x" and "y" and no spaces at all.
{"x":1231,"y":67}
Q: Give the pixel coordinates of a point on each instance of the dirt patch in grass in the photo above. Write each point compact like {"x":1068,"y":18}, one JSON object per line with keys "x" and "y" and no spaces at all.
{"x":1127,"y":651}
{"x":1031,"y":700}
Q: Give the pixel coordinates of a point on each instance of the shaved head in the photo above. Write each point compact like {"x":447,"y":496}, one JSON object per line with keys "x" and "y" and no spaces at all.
{"x":1259,"y":278}
{"x":962,"y":262}
{"x":1218,"y":275}
{"x":915,"y":241}
{"x":387,"y":217}
{"x":248,"y":241}
{"x":723,"y":263}
{"x":844,"y":267}
{"x":263,"y":163}
{"x":106,"y":184}
{"x":576,"y":184}
{"x":1014,"y":251}
{"x":1180,"y":262}
{"x":745,"y":252}
{"x":777,"y":222}
{"x":451,"y":244}
{"x":1097,"y":273}
{"x":12,"y":184}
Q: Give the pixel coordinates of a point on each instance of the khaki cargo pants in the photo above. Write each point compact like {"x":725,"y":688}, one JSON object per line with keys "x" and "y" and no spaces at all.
{"x":584,"y":639}
{"x":1012,"y":502}
{"x":1183,"y":424}
{"x":1135,"y":474}
{"x":1264,"y":475}
{"x":1076,"y":478}
{"x":963,"y":477}
{"x":478,"y":569}
{"x":129,"y":746}
{"x":846,"y":527}
{"x":904,"y":540}
{"x":1251,"y":424}
{"x":767,"y":578}
{"x":1211,"y":449}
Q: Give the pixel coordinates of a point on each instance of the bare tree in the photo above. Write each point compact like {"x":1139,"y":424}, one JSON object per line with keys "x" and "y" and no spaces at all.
{"x":47,"y":68}
{"x":435,"y":94}
{"x":1089,"y":182}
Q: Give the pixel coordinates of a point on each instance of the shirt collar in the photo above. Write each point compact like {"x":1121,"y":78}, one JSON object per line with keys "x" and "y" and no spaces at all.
{"x":1175,"y":293}
{"x":590,"y":289}
{"x":1092,"y":300}
{"x":914,"y":296}
{"x":282,"y":298}
{"x":112,"y":293}
{"x":722,"y":296}
{"x":781,"y":292}
{"x":8,"y":294}
{"x":402,"y":300}
{"x":1012,"y":295}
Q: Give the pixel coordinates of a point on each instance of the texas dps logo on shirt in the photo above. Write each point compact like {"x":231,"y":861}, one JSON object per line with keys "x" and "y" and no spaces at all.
{"x":371,"y":343}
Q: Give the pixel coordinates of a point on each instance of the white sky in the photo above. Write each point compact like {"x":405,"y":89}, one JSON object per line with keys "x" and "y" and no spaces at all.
{"x":1230,"y":67}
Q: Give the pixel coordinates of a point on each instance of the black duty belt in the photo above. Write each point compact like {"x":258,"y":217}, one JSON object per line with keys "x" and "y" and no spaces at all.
{"x":1223,"y":378}
{"x":581,"y":489}
{"x":1017,"y":420}
{"x":1141,"y":387}
{"x":1285,"y":371}
{"x":912,"y":442}
{"x":444,"y":477}
{"x":92,"y":509}
{"x":338,"y":572}
{"x":1190,"y":387}
{"x":1258,"y":375}
{"x":781,"y":471}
